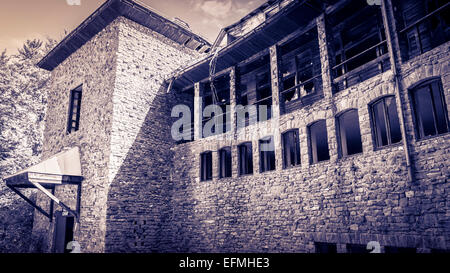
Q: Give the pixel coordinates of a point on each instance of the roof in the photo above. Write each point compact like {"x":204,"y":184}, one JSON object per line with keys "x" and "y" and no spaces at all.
{"x":289,"y":19}
{"x":131,"y":10}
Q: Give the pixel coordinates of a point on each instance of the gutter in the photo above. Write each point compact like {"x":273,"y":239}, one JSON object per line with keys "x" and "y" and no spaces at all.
{"x":398,"y":99}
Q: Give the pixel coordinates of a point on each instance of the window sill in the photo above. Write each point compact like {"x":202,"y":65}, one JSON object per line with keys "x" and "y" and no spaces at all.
{"x":419,"y":140}
{"x":393,"y":145}
{"x":343,"y":158}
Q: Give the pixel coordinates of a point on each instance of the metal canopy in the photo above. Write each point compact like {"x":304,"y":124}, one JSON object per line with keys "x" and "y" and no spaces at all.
{"x":61,"y":169}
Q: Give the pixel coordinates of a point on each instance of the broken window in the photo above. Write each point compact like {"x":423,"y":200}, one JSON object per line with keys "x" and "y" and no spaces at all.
{"x":73,"y":123}
{"x":318,"y":142}
{"x":254,"y":88}
{"x":225,"y":162}
{"x":385,"y":122}
{"x":220,"y":98}
{"x":359,"y":44}
{"x":300,"y":70}
{"x":430,"y":110}
{"x":245,"y":158}
{"x":349,"y":133}
{"x":266,"y":154}
{"x":325,"y":247}
{"x":206,"y":166}
{"x":291,"y":149}
{"x":422,"y":25}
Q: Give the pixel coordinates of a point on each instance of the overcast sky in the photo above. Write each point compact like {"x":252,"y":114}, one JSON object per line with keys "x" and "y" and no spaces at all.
{"x":28,"y":19}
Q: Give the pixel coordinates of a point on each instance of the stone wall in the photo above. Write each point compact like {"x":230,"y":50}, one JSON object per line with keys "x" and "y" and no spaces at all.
{"x":93,"y":66}
{"x":140,"y":161}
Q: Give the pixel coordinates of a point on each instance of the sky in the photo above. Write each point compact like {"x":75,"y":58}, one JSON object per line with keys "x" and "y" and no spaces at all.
{"x":29,"y":19}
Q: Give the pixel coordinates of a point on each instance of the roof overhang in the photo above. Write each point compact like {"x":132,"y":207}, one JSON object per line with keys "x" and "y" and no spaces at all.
{"x":289,"y":19}
{"x":131,"y":10}
{"x":62,"y":169}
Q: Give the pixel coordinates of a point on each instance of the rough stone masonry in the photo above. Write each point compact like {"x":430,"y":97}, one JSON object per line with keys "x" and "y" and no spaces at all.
{"x":142,"y":191}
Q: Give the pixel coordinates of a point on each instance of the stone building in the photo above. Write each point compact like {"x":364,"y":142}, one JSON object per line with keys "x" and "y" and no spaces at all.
{"x":354,"y":146}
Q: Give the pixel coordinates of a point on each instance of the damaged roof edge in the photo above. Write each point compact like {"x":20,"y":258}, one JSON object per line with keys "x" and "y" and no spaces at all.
{"x":223,"y":51}
{"x":107,"y":13}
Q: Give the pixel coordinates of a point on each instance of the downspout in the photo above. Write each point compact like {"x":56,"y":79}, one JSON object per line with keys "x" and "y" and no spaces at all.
{"x":398,"y":99}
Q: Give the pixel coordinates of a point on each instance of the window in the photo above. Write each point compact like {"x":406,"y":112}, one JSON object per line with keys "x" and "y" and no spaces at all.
{"x":254,"y":88}
{"x":267,"y":154}
{"x":73,"y":123}
{"x":385,"y":123}
{"x":359,"y":43}
{"x":245,"y":158}
{"x":206,"y":166}
{"x":222,"y":90}
{"x":430,"y":110}
{"x":225,"y":162}
{"x":300,"y":71}
{"x":325,"y":248}
{"x":349,"y":133}
{"x":291,"y":149}
{"x":422,"y":25}
{"x":318,"y":142}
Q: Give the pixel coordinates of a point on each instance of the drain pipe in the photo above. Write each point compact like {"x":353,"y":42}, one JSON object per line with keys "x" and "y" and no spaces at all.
{"x":398,"y":99}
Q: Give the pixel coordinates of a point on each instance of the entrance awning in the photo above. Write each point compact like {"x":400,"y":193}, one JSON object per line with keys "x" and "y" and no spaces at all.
{"x":61,"y":169}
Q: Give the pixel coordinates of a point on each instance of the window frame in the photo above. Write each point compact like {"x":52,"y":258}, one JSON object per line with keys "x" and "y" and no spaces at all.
{"x":342,"y":145}
{"x":312,"y":142}
{"x":206,"y":173}
{"x":297,"y":152}
{"x":266,"y":158}
{"x":418,"y":127}
{"x":70,"y":117}
{"x":387,"y":121}
{"x":225,"y":167}
{"x":248,"y":159}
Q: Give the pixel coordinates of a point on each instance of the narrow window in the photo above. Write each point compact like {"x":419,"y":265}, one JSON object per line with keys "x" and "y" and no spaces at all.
{"x":245,"y":158}
{"x":325,"y":247}
{"x":318,"y":142}
{"x":225,"y":162}
{"x":73,"y":123}
{"x":429,"y":109}
{"x":291,"y":149}
{"x":206,"y":166}
{"x":385,"y":123}
{"x":267,"y":155}
{"x":349,"y":133}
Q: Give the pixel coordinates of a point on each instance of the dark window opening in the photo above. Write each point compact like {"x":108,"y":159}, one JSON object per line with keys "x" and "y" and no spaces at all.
{"x":73,"y":123}
{"x":385,"y":122}
{"x":318,"y":142}
{"x":186,"y":97}
{"x":245,"y":158}
{"x":422,"y":25}
{"x":225,"y":162}
{"x":266,"y":154}
{"x":325,"y":248}
{"x":63,"y":233}
{"x":254,"y":88}
{"x":349,"y":133}
{"x":291,"y":149}
{"x":355,"y":248}
{"x":206,"y":166}
{"x":222,"y":87}
{"x":359,"y":44}
{"x":430,"y":110}
{"x":393,"y":249}
{"x":300,"y":71}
